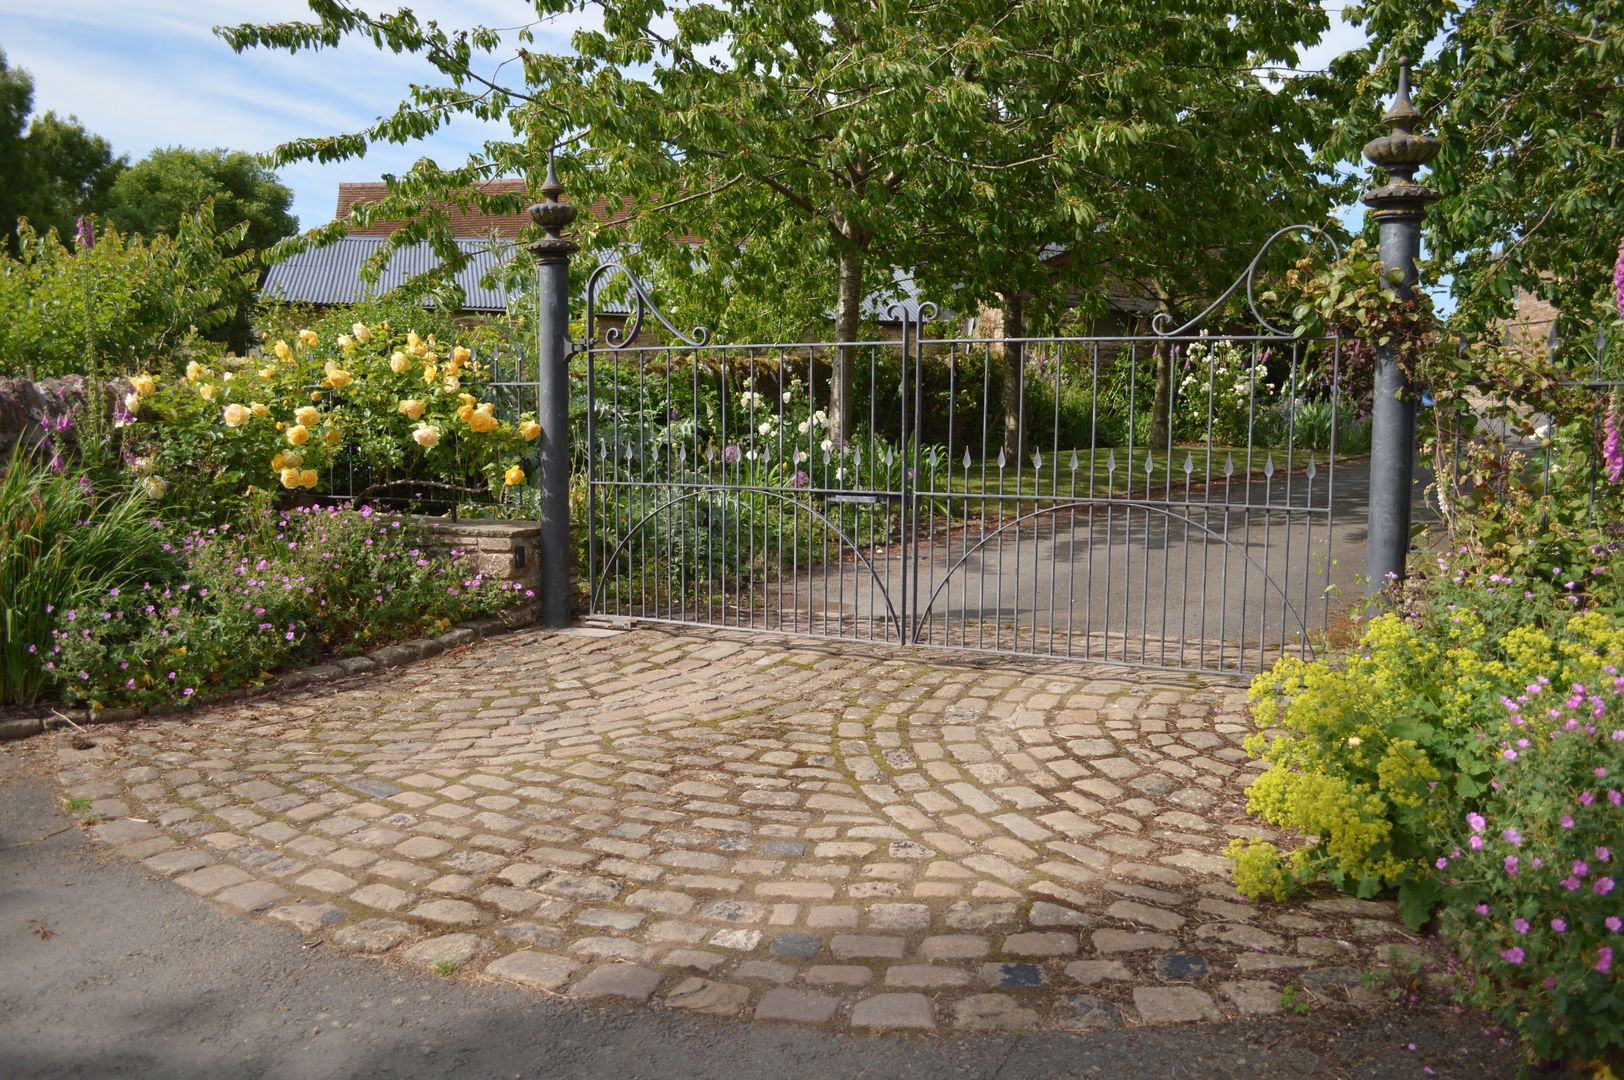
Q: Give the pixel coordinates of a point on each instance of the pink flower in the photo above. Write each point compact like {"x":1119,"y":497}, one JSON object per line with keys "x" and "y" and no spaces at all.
{"x":1559,"y":926}
{"x":1476,"y":822}
{"x":1512,"y":837}
{"x":1603,"y":855}
{"x":1614,"y":923}
{"x":1586,"y":798}
{"x":1603,"y":886}
{"x":1511,"y":864}
{"x":1566,"y":821}
{"x":1475,"y":843}
{"x":1514,"y":955}
{"x":1482,"y":909}
{"x":1520,"y":925}
{"x":1604,"y":959}
{"x":1580,"y":869}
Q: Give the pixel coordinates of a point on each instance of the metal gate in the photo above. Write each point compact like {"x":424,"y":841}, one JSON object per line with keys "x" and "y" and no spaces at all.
{"x":1034,"y":496}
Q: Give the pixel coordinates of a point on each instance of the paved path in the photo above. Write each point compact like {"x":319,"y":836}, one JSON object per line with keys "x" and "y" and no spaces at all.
{"x":842,"y":839}
{"x":106,"y":970}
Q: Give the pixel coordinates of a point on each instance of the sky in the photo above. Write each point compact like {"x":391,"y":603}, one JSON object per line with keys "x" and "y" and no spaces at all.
{"x":151,"y":73}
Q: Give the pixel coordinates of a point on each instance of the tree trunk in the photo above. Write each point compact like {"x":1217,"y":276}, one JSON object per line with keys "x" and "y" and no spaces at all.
{"x":848,"y":312}
{"x":1161,"y":408}
{"x":1014,"y":367}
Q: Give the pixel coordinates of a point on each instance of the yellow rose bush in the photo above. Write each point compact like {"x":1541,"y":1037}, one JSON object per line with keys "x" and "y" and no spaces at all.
{"x":399,"y":410}
{"x":1376,"y":754}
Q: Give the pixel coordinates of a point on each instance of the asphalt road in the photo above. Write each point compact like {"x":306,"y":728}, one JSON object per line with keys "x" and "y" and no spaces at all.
{"x":105,"y":972}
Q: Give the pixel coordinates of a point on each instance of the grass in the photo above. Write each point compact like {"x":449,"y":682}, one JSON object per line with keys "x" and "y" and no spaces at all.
{"x":77,"y":805}
{"x":444,"y":967}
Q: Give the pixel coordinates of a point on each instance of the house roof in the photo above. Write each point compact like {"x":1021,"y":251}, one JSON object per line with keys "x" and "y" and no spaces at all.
{"x":464,"y":222}
{"x":332,"y":274}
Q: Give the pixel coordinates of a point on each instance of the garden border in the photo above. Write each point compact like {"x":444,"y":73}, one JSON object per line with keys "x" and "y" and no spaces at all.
{"x":517,"y":617}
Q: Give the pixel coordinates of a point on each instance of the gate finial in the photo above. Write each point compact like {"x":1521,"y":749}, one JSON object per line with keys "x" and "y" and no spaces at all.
{"x":553,"y":216}
{"x":1401,"y":153}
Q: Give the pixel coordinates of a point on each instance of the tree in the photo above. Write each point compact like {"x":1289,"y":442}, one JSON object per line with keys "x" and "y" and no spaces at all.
{"x":1527,"y":98}
{"x":151,"y":196}
{"x":156,"y":194}
{"x":54,"y":173}
{"x":837,"y":140}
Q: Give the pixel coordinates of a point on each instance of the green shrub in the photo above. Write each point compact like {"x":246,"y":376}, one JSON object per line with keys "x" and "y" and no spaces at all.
{"x":60,"y":544}
{"x":276,"y":588}
{"x":1534,"y":894}
{"x":1377,"y":753}
{"x":121,"y":305}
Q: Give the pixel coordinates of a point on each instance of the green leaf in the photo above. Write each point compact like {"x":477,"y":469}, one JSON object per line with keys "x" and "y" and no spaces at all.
{"x":1416,"y":902}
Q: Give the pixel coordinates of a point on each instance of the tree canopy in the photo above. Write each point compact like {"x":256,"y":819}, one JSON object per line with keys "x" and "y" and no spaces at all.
{"x":52,"y":171}
{"x":153,"y":195}
{"x":1527,"y":98}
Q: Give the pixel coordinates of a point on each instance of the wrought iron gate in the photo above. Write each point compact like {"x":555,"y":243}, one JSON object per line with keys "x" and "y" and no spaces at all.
{"x":1032,"y":496}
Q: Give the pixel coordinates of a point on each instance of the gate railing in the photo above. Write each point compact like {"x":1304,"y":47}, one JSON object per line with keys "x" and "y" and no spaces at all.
{"x":1036,"y":496}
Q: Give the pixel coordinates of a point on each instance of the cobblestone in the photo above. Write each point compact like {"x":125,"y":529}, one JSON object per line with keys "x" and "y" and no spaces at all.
{"x":761,"y":829}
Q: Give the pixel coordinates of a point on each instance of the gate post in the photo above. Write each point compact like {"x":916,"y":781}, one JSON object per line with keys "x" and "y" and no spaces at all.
{"x":1398,"y":207}
{"x":553,"y":253}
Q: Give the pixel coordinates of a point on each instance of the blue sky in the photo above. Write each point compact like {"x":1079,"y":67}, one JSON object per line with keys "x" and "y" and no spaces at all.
{"x":151,"y":73}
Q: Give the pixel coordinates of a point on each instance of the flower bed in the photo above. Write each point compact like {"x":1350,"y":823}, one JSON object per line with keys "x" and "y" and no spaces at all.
{"x":237,"y":602}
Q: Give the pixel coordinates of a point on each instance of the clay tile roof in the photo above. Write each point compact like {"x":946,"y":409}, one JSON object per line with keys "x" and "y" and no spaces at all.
{"x":464,"y":223}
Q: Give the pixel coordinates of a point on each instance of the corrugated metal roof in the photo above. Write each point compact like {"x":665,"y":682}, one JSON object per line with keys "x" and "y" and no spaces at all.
{"x":332,"y":274}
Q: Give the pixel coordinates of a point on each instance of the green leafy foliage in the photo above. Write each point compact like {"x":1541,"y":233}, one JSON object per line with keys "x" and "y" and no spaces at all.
{"x":244,"y":598}
{"x":1377,"y":753}
{"x":52,"y":170}
{"x":61,"y":543}
{"x":1534,"y":892}
{"x":122,"y":304}
{"x":1524,"y":99}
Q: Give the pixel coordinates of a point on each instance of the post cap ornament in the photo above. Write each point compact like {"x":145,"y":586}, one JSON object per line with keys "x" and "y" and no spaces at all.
{"x":553,"y":216}
{"x":1401,"y":154}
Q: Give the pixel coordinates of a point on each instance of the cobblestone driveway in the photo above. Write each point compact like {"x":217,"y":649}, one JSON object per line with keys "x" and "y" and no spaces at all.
{"x":745,"y":827}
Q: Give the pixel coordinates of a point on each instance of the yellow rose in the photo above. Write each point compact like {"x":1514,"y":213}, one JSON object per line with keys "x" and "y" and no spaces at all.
{"x":292,"y":458}
{"x":282,"y":351}
{"x":195,"y":370}
{"x":265,"y":373}
{"x":298,"y":435}
{"x":154,"y":487}
{"x":450,"y":385}
{"x":362,"y":332}
{"x":337,"y":377}
{"x":308,"y":338}
{"x":236,"y":415}
{"x":290,"y":478}
{"x":460,"y":355}
{"x":530,"y":429}
{"x":513,"y":476}
{"x":412,"y":409}
{"x":308,"y":478}
{"x":346,"y":343}
{"x":427,"y":436}
{"x":400,"y":363}
{"x":483,"y":422}
{"x":464,"y":412}
{"x":430,"y":373}
{"x":143,"y":385}
{"x":207,"y":391}
{"x":315,"y":395}
{"x":332,"y":436}
{"x":468,"y":400}
{"x":308,"y":415}
{"x":278,"y":463}
{"x":259,"y":409}
{"x":413,"y":342}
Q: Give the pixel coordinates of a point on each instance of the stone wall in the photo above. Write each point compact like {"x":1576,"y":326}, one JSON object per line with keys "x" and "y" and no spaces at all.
{"x":25,"y":403}
{"x":502,"y":550}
